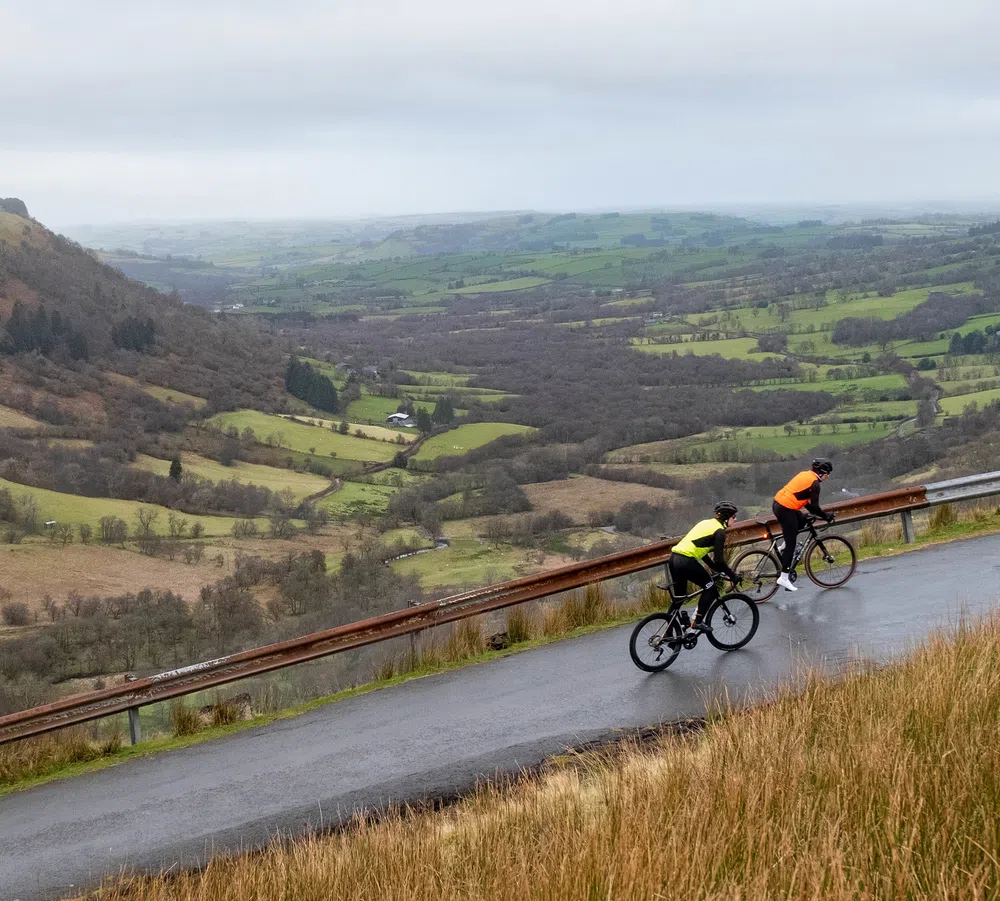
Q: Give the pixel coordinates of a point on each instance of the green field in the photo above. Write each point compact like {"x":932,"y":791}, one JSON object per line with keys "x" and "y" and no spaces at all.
{"x":737,"y":348}
{"x":956,"y":403}
{"x":75,"y":509}
{"x":438,"y":378}
{"x":466,"y":562}
{"x":890,"y":382}
{"x":770,"y":438}
{"x":514,"y":284}
{"x":465,"y":438}
{"x":301,"y":484}
{"x":355,"y":497}
{"x":304,"y":438}
{"x":823,"y":318}
{"x":369,"y":408}
{"x":886,"y":409}
{"x":376,"y":432}
{"x":396,"y":478}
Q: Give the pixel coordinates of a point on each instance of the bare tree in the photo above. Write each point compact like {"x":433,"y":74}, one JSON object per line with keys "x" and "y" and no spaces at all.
{"x":145,"y":536}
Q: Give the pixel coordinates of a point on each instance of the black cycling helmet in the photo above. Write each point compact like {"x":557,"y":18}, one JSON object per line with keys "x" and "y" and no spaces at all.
{"x":822,"y":466}
{"x":725,"y":510}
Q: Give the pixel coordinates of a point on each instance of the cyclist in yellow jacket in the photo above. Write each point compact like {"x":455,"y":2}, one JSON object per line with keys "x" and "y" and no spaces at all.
{"x":801,"y":492}
{"x":686,"y":557}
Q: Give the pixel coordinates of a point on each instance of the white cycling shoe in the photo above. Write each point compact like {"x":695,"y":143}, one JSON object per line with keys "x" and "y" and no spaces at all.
{"x":786,"y":582}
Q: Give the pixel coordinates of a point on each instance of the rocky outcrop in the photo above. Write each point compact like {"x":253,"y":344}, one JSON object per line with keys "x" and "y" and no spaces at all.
{"x":15,"y":206}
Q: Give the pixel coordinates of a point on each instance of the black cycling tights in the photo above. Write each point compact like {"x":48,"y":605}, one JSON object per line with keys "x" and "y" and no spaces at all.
{"x":687,"y":569}
{"x":790,"y":521}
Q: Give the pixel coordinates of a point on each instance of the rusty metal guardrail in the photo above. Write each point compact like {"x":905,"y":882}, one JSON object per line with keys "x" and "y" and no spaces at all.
{"x":130,"y":696}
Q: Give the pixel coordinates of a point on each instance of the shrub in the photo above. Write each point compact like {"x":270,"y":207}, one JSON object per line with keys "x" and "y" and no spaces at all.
{"x":385,"y":669}
{"x":943,"y":516}
{"x":587,"y":610}
{"x":520,"y":624}
{"x":16,"y":614}
{"x":113,"y":530}
{"x":225,"y":712}
{"x":244,"y":528}
{"x":880,"y":531}
{"x":553,"y":620}
{"x":466,"y":640}
{"x":185,"y":720}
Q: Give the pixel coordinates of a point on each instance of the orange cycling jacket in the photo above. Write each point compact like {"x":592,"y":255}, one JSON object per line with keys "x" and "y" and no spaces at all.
{"x":795,"y":495}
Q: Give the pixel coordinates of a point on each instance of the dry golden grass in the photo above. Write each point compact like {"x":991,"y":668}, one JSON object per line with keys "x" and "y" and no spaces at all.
{"x":882,"y":785}
{"x":14,"y":419}
{"x":39,"y":567}
{"x":581,"y":495}
{"x":37,"y":756}
{"x":15,"y":229}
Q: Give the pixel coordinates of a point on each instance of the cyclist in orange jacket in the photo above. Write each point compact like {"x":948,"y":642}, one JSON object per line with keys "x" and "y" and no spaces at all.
{"x":801,"y":491}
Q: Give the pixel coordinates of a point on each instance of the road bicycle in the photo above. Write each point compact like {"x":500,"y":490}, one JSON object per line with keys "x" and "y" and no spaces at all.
{"x":830,"y":560}
{"x":660,"y":637}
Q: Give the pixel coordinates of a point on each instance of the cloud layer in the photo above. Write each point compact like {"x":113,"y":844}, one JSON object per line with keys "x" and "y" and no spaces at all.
{"x":111,"y":110}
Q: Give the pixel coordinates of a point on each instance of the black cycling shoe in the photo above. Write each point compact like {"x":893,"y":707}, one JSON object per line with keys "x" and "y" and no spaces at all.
{"x":700,"y":626}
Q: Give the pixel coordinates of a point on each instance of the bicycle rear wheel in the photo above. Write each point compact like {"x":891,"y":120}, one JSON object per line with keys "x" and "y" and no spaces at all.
{"x":733,"y":620}
{"x":831,"y":561}
{"x":655,"y":642}
{"x":759,"y":571}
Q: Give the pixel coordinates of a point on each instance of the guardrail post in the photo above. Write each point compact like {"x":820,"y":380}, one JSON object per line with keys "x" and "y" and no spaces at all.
{"x":909,"y":535}
{"x":414,"y":638}
{"x":134,"y":727}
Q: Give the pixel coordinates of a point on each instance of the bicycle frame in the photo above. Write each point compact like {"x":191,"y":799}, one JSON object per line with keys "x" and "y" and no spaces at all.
{"x":801,"y":548}
{"x":677,"y":601}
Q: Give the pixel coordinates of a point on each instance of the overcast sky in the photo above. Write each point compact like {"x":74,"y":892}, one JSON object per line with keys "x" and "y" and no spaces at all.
{"x":171,"y":110}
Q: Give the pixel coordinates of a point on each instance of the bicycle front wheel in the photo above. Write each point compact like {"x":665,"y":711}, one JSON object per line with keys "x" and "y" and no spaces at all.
{"x":655,"y":642}
{"x":733,"y":620}
{"x":759,"y":571}
{"x":831,"y":561}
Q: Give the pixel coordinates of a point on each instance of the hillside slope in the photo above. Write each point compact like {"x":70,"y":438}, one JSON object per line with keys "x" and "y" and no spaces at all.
{"x":65,"y":317}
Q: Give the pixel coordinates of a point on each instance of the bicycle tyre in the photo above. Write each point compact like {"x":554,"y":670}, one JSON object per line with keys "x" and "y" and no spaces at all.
{"x":760,"y":571}
{"x":647,"y":657}
{"x":825,"y":561}
{"x":727,"y":633}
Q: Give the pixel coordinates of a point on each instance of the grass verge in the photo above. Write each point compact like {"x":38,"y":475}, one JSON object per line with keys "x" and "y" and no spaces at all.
{"x":880,"y":784}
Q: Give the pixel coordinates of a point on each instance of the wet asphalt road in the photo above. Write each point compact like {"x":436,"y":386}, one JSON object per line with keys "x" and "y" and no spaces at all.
{"x":436,"y":735}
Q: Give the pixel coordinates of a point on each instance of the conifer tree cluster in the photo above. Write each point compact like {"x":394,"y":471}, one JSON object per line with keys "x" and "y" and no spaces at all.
{"x":35,"y":330}
{"x":444,"y":411}
{"x":133,"y":333}
{"x":303,"y":382}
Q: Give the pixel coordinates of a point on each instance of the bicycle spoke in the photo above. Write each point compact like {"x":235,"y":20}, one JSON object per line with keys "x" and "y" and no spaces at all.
{"x":759,"y":571}
{"x":734,"y":620}
{"x":830,"y":561}
{"x":655,"y":642}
